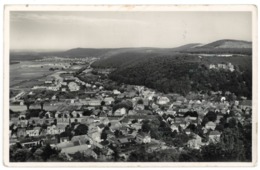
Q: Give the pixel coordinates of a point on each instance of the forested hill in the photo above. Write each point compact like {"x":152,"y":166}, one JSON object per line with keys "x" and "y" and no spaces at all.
{"x":167,"y":74}
{"x":182,"y":72}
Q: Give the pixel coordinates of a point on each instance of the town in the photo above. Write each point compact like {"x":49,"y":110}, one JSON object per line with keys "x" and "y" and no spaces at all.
{"x":79,"y":114}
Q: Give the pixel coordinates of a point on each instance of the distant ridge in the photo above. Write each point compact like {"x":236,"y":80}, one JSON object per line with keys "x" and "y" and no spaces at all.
{"x":228,"y":43}
{"x":220,"y":46}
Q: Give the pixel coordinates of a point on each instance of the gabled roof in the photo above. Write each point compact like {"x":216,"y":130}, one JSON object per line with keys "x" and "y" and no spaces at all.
{"x":211,"y":124}
{"x":74,"y":149}
{"x":142,"y":134}
{"x":123,"y":140}
{"x":215,"y":132}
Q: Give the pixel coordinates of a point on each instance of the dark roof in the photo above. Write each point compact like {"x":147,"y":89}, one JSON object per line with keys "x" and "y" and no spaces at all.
{"x":101,"y":125}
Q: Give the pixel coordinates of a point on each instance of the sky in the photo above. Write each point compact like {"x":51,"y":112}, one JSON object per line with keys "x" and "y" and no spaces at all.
{"x":99,"y":29}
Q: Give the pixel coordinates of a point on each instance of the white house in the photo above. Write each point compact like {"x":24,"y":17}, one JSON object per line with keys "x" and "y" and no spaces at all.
{"x":120,"y":112}
{"x":163,"y":100}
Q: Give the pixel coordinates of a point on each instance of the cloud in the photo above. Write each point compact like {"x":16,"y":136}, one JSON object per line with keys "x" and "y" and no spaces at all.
{"x":68,"y":18}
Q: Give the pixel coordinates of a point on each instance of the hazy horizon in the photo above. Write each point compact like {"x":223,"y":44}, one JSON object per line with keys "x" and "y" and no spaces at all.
{"x":55,"y":31}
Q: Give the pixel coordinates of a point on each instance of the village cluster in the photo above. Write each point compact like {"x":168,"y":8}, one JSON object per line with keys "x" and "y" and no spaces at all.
{"x":115,"y":120}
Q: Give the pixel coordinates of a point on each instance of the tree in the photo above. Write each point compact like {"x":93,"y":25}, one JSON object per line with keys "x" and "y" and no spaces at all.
{"x":28,"y":102}
{"x":180,"y":140}
{"x":103,"y":136}
{"x":117,"y":133}
{"x":48,"y":151}
{"x":87,"y":112}
{"x":190,"y":155}
{"x":103,"y":103}
{"x":42,"y":104}
{"x":213,"y":153}
{"x":231,"y":141}
{"x":211,"y":116}
{"x":146,"y":126}
{"x":20,"y":155}
{"x":81,"y":129}
{"x":37,"y":155}
{"x":140,"y":101}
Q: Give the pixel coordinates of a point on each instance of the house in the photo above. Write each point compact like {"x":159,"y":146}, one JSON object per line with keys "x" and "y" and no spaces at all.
{"x":124,"y":129}
{"x":155,"y":106}
{"x":214,"y":136}
{"x":131,"y":94}
{"x":183,"y":125}
{"x":136,"y":126}
{"x":22,"y":116}
{"x":132,"y":112}
{"x":170,"y":112}
{"x":21,"y":132}
{"x":109,"y":100}
{"x":75,"y":148}
{"x":179,"y":120}
{"x":139,"y":107}
{"x":82,"y":139}
{"x":69,"y":77}
{"x":58,"y":114}
{"x":53,"y":97}
{"x":121,"y":96}
{"x":61,"y":127}
{"x":187,"y":131}
{"x":87,"y":121}
{"x":130,"y":137}
{"x":94,"y":102}
{"x":48,"y":114}
{"x":29,"y":142}
{"x":174,"y":127}
{"x":23,"y":123}
{"x":143,"y":138}
{"x":52,"y":141}
{"x":191,"y":118}
{"x":77,"y":114}
{"x":176,"y":103}
{"x":146,"y":102}
{"x":195,"y":142}
{"x":219,"y":117}
{"x":120,"y":112}
{"x":53,"y":130}
{"x":116,"y":92}
{"x":210,"y":125}
{"x":104,"y":120}
{"x":49,"y":80}
{"x":95,"y":135}
{"x":123,"y":141}
{"x":183,"y":110}
{"x":163,"y":100}
{"x":101,"y":127}
{"x":115,"y":125}
{"x":33,"y":132}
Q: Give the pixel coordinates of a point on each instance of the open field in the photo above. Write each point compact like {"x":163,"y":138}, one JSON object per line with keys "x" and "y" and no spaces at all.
{"x":27,"y":71}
